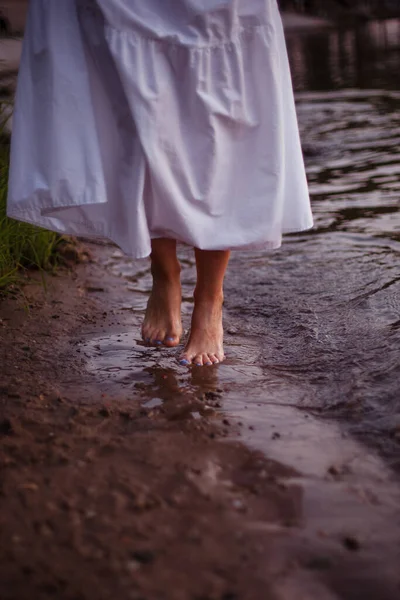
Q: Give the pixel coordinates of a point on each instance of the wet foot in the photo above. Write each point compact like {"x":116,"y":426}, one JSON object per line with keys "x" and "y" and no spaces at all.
{"x":205,"y":344}
{"x":162,"y":321}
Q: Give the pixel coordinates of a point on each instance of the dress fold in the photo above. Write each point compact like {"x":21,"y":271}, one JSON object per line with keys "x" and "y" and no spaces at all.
{"x":136,"y":120}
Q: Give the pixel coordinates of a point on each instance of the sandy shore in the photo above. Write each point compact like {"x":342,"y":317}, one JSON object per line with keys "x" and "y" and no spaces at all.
{"x":138,"y":497}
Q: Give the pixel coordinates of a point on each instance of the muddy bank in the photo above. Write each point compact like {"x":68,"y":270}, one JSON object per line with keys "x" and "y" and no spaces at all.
{"x":106,"y":486}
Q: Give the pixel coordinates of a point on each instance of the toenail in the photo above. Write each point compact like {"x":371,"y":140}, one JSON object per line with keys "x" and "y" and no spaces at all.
{"x":170,"y":339}
{"x":183,"y":361}
{"x":209,"y":363}
{"x":147,"y":339}
{"x":198,"y":365}
{"x":158,"y":342}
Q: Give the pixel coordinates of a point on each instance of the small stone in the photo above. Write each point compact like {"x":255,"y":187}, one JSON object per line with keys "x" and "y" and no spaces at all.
{"x":238,"y":505}
{"x":132,"y":566}
{"x":276,"y":435}
{"x":334,"y":470}
{"x":45,"y":530}
{"x":30,"y":486}
{"x":351,"y":543}
{"x":6,"y":427}
{"x":104,"y":412}
{"x":144,"y":557}
{"x":211,"y":395}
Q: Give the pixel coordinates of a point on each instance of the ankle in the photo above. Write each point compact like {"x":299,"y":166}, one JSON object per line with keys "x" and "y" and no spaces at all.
{"x":210,"y":298}
{"x":164,"y":273}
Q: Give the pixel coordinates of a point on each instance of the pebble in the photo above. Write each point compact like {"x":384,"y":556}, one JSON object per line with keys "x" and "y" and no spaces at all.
{"x":104,"y":412}
{"x":6,"y":427}
{"x":30,"y":486}
{"x":143,"y":557}
{"x":238,"y":504}
{"x":351,"y":543}
{"x":132,"y":566}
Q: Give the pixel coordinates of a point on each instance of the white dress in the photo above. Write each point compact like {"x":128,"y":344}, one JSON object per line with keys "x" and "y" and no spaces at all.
{"x":138,"y":119}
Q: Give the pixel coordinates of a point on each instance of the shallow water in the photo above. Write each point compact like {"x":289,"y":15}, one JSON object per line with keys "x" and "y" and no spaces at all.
{"x":313,"y":330}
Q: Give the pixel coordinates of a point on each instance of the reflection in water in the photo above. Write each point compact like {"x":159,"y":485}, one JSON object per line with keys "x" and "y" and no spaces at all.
{"x":366,"y":56}
{"x":112,"y":357}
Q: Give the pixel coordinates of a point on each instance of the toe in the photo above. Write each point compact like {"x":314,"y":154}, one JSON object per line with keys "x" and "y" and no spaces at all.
{"x":213,"y":359}
{"x":184,"y":360}
{"x":198,"y":360}
{"x":207,"y":360}
{"x":157,"y":338}
{"x":148,"y":335}
{"x":148,"y":338}
{"x":171,"y":340}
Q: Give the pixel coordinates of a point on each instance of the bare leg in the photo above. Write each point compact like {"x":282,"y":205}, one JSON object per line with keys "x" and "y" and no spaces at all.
{"x":162,"y":322}
{"x":205,"y":344}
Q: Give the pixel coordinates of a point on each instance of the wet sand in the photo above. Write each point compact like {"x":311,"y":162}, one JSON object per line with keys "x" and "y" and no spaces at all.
{"x":137,"y":483}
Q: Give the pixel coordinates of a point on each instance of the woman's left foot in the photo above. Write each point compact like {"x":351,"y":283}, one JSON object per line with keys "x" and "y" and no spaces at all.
{"x":205,"y":344}
{"x":162,"y":322}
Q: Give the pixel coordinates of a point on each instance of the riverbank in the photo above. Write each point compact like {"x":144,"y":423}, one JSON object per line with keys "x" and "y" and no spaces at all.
{"x":113,"y":492}
{"x":139,"y":488}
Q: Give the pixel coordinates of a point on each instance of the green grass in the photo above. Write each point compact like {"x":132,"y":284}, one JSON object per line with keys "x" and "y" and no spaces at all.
{"x":21,"y":245}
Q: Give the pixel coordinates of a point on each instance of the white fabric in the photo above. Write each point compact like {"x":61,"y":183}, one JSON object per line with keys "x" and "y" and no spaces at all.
{"x":137,"y":119}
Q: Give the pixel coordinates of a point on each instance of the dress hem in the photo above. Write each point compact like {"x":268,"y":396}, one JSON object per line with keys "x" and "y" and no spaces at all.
{"x":99,"y":233}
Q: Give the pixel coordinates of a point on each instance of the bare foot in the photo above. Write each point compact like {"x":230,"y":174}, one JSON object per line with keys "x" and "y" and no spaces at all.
{"x":162,"y":322}
{"x":205,"y":344}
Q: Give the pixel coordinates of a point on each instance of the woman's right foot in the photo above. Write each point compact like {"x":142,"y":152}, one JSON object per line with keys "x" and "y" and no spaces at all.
{"x":205,"y":344}
{"x":162,"y":323}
